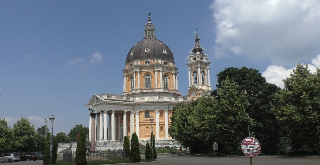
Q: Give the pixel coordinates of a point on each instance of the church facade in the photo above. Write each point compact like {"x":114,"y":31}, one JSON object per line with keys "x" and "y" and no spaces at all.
{"x":150,"y":91}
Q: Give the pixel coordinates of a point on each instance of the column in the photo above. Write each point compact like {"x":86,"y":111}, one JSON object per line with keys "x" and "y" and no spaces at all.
{"x":113,"y":137}
{"x":124,"y":123}
{"x":134,"y":79}
{"x":199,"y":75}
{"x":208,"y":77}
{"x":139,"y":79}
{"x":166,"y":123}
{"x":90,"y":125}
{"x":174,"y":80}
{"x":161,"y":85}
{"x":137,"y":123}
{"x":93,"y":132}
{"x":124,"y":83}
{"x":109,"y":127}
{"x":100,"y":127}
{"x":105,"y":126}
{"x":177,"y":81}
{"x":189,"y":76}
{"x":119,"y":129}
{"x":157,"y":124}
{"x":131,"y":123}
{"x":156,"y":78}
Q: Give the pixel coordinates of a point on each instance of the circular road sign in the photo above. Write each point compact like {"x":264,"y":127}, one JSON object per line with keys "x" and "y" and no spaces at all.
{"x":250,"y":146}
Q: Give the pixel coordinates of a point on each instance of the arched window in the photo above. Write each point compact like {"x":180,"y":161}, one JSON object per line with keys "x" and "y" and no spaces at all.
{"x":147,"y":79}
{"x":165,"y":81}
{"x":132,"y":83}
{"x":195,"y":78}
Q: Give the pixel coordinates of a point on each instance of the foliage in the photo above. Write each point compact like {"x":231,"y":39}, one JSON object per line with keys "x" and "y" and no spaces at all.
{"x":42,"y":130}
{"x":40,"y":142}
{"x":54,"y":150}
{"x":297,"y":108}
{"x":260,"y":95}
{"x":148,"y":153}
{"x":208,"y":119}
{"x":24,"y":135}
{"x":81,"y":148}
{"x":46,"y":156}
{"x":62,"y":138}
{"x":153,"y":147}
{"x":73,"y":134}
{"x":6,"y":137}
{"x":135,"y":152}
{"x":126,"y":147}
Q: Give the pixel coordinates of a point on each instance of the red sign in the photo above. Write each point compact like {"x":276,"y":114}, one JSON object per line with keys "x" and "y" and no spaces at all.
{"x":250,"y":146}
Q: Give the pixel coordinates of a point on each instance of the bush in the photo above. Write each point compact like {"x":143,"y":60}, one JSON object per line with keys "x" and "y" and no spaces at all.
{"x":135,"y":152}
{"x":46,"y":156}
{"x":153,"y":146}
{"x":81,"y":148}
{"x":148,"y":153}
{"x":126,"y":147}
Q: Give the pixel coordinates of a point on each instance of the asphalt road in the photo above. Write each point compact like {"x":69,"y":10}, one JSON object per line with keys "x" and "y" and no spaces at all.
{"x":194,"y":160}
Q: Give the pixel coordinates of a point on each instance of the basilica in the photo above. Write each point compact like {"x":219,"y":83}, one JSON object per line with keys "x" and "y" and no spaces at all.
{"x":150,"y":91}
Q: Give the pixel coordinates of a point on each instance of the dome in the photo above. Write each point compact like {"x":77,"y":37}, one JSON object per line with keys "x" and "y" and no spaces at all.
{"x":149,"y":46}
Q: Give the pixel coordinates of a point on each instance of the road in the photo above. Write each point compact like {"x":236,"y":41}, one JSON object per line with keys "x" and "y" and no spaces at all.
{"x":195,"y":160}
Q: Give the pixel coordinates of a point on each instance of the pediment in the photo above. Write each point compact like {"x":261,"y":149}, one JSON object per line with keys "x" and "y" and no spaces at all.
{"x":95,"y":99}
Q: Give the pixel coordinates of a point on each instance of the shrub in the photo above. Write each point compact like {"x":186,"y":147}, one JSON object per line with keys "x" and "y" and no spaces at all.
{"x":135,"y":152}
{"x":148,"y":152}
{"x":81,"y":149}
{"x":126,"y":147}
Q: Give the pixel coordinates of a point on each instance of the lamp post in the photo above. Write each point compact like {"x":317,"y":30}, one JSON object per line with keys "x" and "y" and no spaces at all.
{"x":151,"y":119}
{"x":51,"y":142}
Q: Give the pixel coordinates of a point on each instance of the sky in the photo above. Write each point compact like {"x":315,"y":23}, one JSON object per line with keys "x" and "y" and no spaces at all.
{"x":55,"y":55}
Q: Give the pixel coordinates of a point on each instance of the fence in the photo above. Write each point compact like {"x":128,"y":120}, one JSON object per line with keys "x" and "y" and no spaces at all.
{"x":97,"y":156}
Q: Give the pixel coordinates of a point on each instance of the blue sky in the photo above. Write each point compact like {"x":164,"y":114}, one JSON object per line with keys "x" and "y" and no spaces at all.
{"x":54,"y":55}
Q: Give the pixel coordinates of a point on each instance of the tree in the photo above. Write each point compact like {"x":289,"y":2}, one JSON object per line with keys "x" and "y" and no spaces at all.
{"x":24,"y":139}
{"x":42,"y":130}
{"x":154,"y":153}
{"x":73,"y":134}
{"x":54,"y":150}
{"x":62,"y":138}
{"x":39,"y":141}
{"x":135,"y":151}
{"x":6,"y":137}
{"x":46,"y":156}
{"x":297,"y":108}
{"x":126,"y":147}
{"x":81,"y":148}
{"x":260,"y":95}
{"x":148,"y":153}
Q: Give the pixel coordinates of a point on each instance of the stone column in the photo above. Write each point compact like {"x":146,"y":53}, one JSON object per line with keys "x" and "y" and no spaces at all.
{"x":161,"y":85}
{"x":138,"y":79}
{"x":208,"y":77}
{"x":199,"y":75}
{"x":100,"y":127}
{"x":119,"y":129}
{"x":131,"y":123}
{"x":124,"y":123}
{"x":156,"y":78}
{"x":134,"y":79}
{"x":174,"y":80}
{"x":109,"y":127}
{"x":105,"y":126}
{"x":93,"y":132}
{"x":124,"y":84}
{"x":157,"y":124}
{"x":166,"y":123}
{"x":177,"y":81}
{"x":113,"y":137}
{"x":137,"y":123}
{"x":189,"y":76}
{"x":90,"y":125}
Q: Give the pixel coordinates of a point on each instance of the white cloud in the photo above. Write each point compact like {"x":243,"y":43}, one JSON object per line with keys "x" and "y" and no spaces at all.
{"x":75,"y":61}
{"x":275,"y":74}
{"x":96,"y":57}
{"x":283,"y":32}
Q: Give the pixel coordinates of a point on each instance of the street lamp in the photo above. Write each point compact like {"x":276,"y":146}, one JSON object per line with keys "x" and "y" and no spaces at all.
{"x":52,"y":120}
{"x":151,"y":119}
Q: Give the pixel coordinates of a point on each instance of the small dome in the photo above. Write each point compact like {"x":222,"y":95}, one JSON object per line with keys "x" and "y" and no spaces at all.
{"x":150,"y":48}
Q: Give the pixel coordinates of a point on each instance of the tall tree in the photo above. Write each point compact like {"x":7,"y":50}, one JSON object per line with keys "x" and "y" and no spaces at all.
{"x":148,"y":153}
{"x":46,"y":156}
{"x":73,"y":134}
{"x":54,"y":150}
{"x":81,"y":148}
{"x":62,"y":138}
{"x":6,"y":137}
{"x":126,"y":147}
{"x":297,"y":108}
{"x":154,"y":151}
{"x":135,"y":151}
{"x":24,"y":139}
{"x":39,"y":142}
{"x":42,"y":130}
{"x":260,"y":95}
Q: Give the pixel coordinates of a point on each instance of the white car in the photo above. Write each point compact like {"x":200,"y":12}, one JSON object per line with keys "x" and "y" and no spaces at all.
{"x":4,"y":159}
{"x":13,"y":156}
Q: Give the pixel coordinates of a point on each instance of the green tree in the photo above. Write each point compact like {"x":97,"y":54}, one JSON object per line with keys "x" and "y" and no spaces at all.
{"x":46,"y":156}
{"x":62,"y":138}
{"x":297,"y":108}
{"x":24,"y":135}
{"x":260,"y":95}
{"x":54,"y":150}
{"x":42,"y":130}
{"x":135,"y":151}
{"x":6,"y":137}
{"x":154,"y":153}
{"x":75,"y":131}
{"x":126,"y":147}
{"x":148,"y":153}
{"x":39,"y":141}
{"x":81,"y":148}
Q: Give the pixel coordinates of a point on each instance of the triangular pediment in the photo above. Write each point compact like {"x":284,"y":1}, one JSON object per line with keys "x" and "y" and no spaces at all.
{"x":95,"y":99}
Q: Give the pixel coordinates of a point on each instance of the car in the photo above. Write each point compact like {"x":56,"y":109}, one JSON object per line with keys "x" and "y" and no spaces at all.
{"x":14,"y":156}
{"x":38,"y":155}
{"x":28,"y":157}
{"x":4,"y":159}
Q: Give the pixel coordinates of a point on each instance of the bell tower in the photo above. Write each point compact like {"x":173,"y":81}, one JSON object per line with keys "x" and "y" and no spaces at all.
{"x":198,"y":71}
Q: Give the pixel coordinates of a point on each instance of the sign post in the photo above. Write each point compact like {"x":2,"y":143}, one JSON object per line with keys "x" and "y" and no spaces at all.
{"x":250,"y":146}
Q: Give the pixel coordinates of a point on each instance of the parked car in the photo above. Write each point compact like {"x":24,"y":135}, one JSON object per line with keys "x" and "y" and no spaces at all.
{"x":4,"y":159}
{"x":14,"y":156}
{"x":38,"y":155}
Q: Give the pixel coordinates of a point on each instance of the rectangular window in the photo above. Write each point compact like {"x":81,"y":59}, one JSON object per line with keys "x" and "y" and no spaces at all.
{"x":146,"y":114}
